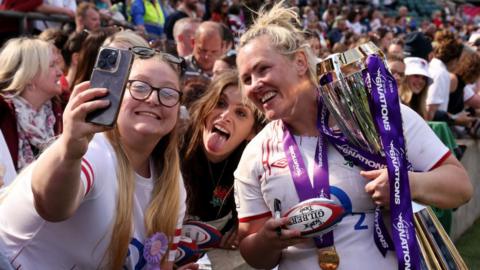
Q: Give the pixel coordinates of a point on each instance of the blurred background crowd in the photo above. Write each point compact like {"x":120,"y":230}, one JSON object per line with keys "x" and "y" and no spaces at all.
{"x":432,"y":49}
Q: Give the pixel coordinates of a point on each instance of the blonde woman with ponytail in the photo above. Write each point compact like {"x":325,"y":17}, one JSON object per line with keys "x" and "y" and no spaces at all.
{"x":277,"y":73}
{"x":101,"y":198}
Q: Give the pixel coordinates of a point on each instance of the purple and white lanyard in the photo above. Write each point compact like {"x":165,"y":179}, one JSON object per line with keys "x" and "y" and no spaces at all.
{"x":301,"y":180}
{"x":386,"y":112}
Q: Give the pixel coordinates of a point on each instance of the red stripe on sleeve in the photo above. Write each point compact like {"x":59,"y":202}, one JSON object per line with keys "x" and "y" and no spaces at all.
{"x":178,"y":232}
{"x":89,"y":180}
{"x":441,"y":160}
{"x":247,"y":219}
{"x":88,"y":172}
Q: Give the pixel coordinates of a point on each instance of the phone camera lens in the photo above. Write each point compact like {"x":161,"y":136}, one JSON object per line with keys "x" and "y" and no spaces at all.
{"x":112,"y":59}
{"x":102,"y":63}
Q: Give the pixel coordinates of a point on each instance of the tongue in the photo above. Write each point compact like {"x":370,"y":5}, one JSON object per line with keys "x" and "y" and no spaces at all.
{"x":216,"y":141}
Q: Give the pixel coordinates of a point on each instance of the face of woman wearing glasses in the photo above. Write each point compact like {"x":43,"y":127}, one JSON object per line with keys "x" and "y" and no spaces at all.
{"x":149,"y":117}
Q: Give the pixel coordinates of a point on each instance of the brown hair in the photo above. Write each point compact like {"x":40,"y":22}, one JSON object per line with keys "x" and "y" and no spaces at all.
{"x":83,"y":7}
{"x":447,"y":47}
{"x":201,"y":108}
{"x":88,"y":54}
{"x":468,"y":67}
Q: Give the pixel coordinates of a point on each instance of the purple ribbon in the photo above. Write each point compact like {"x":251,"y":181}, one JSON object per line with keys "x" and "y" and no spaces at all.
{"x":386,"y":112}
{"x":385,"y":108}
{"x":154,"y":249}
{"x":367,"y":161}
{"x":301,"y":180}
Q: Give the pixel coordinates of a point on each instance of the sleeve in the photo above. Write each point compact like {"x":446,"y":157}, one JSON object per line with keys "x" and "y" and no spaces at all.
{"x":97,"y":167}
{"x":424,"y":148}
{"x":248,"y":193}
{"x":24,"y":6}
{"x":438,"y":91}
{"x":181,"y":215}
{"x":72,"y":5}
{"x":468,"y":91}
{"x":137,"y":12}
{"x":7,"y":169}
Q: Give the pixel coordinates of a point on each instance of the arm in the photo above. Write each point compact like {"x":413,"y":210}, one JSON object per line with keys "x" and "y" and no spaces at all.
{"x":56,"y":185}
{"x":473,"y":101}
{"x":260,"y":245}
{"x":431,"y":110}
{"x":49,"y":9}
{"x":446,"y":186}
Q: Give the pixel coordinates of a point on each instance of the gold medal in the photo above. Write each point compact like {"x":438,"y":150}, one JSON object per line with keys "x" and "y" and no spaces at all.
{"x":328,"y":258}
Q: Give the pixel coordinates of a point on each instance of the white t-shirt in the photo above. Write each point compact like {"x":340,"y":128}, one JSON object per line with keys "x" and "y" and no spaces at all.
{"x":263,"y":175}
{"x":468,"y":91}
{"x":439,"y":90}
{"x":44,"y":24}
{"x":7,"y":169}
{"x":81,"y":241}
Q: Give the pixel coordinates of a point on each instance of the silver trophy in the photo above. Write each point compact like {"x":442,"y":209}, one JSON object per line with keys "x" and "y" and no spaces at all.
{"x":346,"y":92}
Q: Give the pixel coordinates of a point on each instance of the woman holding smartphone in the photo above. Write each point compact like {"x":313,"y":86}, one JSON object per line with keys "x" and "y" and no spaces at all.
{"x":277,"y":72}
{"x":222,"y":121}
{"x":101,"y":198}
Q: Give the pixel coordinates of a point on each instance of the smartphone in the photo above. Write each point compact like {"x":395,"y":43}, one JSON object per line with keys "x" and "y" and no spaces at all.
{"x":111,"y":71}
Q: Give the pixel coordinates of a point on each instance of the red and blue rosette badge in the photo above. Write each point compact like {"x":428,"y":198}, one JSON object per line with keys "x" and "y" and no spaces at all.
{"x":154,"y":249}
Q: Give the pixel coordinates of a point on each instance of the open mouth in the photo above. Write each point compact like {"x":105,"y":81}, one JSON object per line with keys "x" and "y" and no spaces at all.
{"x":267,"y":97}
{"x":221,"y":131}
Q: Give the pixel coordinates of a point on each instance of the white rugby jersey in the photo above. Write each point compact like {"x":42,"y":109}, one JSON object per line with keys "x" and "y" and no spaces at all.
{"x":263,"y":175}
{"x":80,"y":242}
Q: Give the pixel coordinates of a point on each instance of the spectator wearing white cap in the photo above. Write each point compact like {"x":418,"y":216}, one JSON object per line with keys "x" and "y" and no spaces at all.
{"x":413,"y":90}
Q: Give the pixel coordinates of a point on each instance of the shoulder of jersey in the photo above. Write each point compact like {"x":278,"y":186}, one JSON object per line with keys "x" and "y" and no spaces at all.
{"x":204,"y":235}
{"x":314,"y":216}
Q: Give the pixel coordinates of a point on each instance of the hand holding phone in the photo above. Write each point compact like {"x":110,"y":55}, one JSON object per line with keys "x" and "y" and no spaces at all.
{"x":111,"y":71}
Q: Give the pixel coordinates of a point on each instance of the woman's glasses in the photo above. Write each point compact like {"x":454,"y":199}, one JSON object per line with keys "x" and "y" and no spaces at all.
{"x":146,"y":52}
{"x":141,"y":91}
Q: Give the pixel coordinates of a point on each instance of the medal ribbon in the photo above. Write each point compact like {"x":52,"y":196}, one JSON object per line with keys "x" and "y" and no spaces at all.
{"x":386,"y":112}
{"x":366,"y":161}
{"x":299,"y":173}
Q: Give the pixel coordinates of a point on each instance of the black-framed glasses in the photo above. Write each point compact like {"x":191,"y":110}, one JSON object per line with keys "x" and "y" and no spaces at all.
{"x":141,"y":91}
{"x":146,"y":52}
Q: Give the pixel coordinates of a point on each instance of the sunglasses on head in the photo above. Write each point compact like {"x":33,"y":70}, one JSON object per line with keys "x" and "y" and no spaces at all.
{"x":146,"y":52}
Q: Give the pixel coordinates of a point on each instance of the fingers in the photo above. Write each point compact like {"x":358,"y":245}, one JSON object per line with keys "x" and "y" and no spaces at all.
{"x":283,"y":240}
{"x":378,"y":186}
{"x":371,"y":174}
{"x":229,"y":240}
{"x":86,"y":96}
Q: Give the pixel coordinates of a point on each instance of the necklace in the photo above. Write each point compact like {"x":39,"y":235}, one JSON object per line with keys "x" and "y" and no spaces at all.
{"x":219,"y":193}
{"x":210,"y":171}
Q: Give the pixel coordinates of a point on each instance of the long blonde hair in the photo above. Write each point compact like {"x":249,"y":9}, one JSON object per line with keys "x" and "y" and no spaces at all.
{"x":21,"y":60}
{"x":282,"y":26}
{"x":162,"y":212}
{"x":418,"y":102}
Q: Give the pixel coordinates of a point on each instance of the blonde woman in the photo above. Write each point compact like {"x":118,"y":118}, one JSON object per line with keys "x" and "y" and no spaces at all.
{"x":104,"y":199}
{"x":414,"y":87}
{"x":277,"y":72}
{"x":30,"y":111}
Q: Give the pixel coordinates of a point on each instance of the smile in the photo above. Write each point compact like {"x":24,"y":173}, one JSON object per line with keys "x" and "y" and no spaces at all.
{"x":149,"y":114}
{"x":221,"y":130}
{"x":268,"y":96}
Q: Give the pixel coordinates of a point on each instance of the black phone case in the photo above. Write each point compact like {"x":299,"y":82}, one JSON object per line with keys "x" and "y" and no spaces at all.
{"x":115,"y":81}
